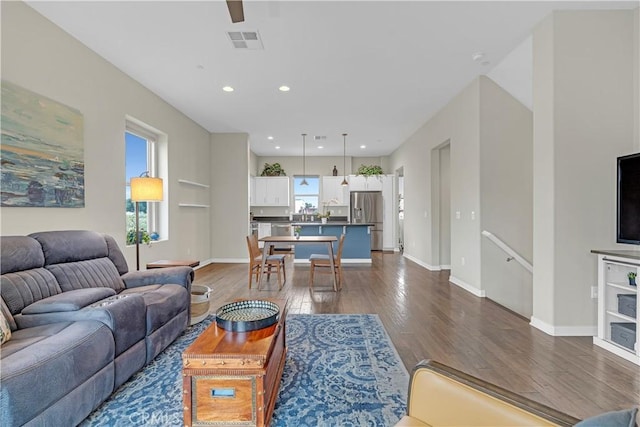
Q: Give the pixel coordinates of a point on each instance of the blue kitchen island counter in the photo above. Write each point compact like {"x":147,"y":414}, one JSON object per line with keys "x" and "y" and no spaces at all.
{"x":357,"y":241}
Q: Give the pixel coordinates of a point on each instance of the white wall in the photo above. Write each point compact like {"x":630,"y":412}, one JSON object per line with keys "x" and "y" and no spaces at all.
{"x":41,"y":57}
{"x":583,"y":119}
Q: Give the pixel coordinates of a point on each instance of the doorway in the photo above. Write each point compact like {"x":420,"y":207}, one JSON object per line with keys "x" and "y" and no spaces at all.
{"x":441,"y":206}
{"x":400,"y":213}
{"x":445,"y":207}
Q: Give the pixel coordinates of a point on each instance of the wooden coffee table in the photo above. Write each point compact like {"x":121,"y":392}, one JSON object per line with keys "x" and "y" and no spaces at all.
{"x":234,"y":377}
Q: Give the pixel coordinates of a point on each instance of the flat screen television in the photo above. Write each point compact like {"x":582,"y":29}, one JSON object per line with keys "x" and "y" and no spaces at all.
{"x":628,"y":222}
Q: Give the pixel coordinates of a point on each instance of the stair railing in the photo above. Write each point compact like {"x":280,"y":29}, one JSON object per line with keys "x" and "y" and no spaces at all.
{"x":513,"y":255}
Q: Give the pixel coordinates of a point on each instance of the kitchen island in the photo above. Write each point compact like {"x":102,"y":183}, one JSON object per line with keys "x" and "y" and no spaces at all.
{"x":357,"y":241}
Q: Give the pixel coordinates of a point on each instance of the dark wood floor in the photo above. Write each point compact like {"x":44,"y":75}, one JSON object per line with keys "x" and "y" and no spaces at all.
{"x":427,"y":317}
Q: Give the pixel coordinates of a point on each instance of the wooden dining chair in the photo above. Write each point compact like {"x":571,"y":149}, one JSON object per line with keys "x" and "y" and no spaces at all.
{"x":272,"y":263}
{"x":322,"y":261}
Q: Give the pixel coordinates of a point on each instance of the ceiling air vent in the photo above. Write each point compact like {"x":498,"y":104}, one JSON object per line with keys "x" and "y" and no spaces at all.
{"x":245,"y":39}
{"x":319,"y":138}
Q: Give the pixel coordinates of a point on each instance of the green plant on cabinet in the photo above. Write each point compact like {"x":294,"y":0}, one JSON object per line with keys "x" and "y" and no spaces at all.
{"x":369,"y":170}
{"x":273,"y":170}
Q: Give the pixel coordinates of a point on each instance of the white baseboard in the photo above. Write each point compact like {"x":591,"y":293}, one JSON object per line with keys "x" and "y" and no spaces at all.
{"x":231,"y":260}
{"x":204,"y":263}
{"x":420,"y":263}
{"x":563,"y":331}
{"x":467,"y":287}
{"x":445,"y":267}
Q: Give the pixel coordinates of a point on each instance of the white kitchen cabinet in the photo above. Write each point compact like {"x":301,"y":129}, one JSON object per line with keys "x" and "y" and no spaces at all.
{"x":365,"y":183}
{"x":252,"y":191}
{"x":618,"y":304}
{"x":332,"y":189}
{"x":270,"y":191}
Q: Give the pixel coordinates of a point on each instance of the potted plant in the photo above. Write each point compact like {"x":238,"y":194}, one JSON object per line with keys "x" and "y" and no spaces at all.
{"x":324,"y":216}
{"x":632,"y":278}
{"x":370,"y":170}
{"x":273,"y":170}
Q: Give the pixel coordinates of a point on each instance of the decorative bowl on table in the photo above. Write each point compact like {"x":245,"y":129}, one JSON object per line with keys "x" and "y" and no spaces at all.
{"x":247,"y":315}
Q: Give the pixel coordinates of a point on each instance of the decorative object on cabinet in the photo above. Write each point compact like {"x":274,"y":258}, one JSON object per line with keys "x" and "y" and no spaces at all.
{"x":335,"y":170}
{"x":144,"y":189}
{"x":344,"y":160}
{"x":632,"y":278}
{"x":273,"y":170}
{"x":42,"y":151}
{"x":304,"y":160}
{"x":370,"y":170}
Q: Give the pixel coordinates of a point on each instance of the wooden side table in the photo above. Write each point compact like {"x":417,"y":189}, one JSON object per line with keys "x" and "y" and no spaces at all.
{"x":172,"y":263}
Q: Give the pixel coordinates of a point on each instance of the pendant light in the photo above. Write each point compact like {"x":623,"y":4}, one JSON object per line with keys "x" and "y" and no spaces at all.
{"x":344,"y":160}
{"x":304,"y":175}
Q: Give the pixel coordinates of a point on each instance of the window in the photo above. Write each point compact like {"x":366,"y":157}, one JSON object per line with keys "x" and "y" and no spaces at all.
{"x":140,"y":157}
{"x":306,"y":196}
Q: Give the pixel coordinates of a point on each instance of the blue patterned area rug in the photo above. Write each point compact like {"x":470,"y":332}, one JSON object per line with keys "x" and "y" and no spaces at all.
{"x":341,"y":370}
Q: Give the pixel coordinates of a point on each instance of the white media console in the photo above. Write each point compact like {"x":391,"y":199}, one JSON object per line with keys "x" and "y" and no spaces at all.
{"x":618,"y":304}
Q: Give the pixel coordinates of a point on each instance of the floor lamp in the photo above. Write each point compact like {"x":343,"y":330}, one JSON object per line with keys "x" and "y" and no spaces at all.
{"x":144,"y":189}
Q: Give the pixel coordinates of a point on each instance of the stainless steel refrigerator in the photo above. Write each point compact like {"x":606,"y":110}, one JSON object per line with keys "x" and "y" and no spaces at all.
{"x":367,"y":207}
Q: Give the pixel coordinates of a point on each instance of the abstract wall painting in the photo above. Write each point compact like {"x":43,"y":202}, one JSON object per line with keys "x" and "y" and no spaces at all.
{"x":42,"y":151}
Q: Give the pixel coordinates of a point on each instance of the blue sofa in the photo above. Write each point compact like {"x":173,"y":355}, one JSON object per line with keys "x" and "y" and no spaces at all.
{"x":81,"y":324}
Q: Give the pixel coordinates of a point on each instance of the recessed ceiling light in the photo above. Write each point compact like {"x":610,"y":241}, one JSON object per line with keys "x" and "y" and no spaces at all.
{"x":227,"y":89}
{"x":363,"y":147}
{"x":277,"y":147}
{"x":270,"y":138}
{"x":320,"y":147}
{"x":478,"y":56}
{"x":284,"y":88}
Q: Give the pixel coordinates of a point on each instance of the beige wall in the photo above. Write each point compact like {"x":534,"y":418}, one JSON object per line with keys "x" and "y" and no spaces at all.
{"x":230,"y":191}
{"x":583,"y":120}
{"x":506,"y":149}
{"x":41,"y":57}
{"x":457,"y":123}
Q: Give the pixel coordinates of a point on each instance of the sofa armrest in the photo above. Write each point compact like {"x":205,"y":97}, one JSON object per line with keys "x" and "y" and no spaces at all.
{"x":69,"y":301}
{"x":182,"y":276}
{"x":441,"y":395}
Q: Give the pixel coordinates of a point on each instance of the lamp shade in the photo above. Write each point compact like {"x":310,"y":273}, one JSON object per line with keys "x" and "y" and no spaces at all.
{"x":146,"y":189}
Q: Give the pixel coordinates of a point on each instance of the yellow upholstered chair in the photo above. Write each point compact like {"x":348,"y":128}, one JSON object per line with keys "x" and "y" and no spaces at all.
{"x":272,"y":263}
{"x":322,"y":261}
{"x":442,"y":396}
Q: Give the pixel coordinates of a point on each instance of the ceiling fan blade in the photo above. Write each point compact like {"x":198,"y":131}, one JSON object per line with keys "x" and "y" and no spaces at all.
{"x":235,"y":10}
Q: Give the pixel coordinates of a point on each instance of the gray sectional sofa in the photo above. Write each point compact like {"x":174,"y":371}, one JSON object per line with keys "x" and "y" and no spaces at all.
{"x":81,"y":324}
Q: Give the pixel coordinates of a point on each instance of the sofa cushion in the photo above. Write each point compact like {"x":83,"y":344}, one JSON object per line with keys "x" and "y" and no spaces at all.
{"x":23,"y":288}
{"x":20,"y":253}
{"x":94,"y":273}
{"x":69,"y":301}
{"x":5,"y":329}
{"x":163,"y":303}
{"x":69,"y":246}
{"x":23,"y":338}
{"x":624,"y":418}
